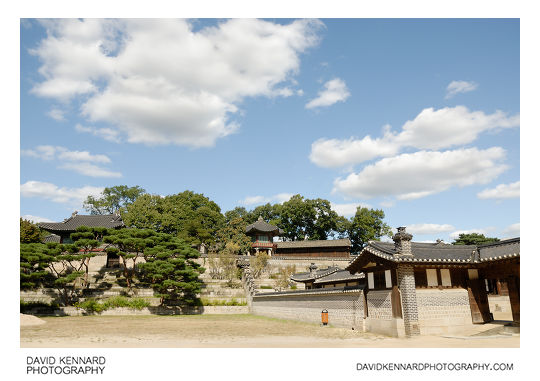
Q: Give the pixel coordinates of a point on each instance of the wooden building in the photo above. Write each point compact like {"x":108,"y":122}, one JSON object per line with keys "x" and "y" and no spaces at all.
{"x":262,"y":236}
{"x":331,"y":277}
{"x":61,"y":231}
{"x":331,"y":248}
{"x":432,"y":287}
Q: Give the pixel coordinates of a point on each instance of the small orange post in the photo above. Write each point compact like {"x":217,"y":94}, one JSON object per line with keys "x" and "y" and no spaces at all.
{"x":324,"y":317}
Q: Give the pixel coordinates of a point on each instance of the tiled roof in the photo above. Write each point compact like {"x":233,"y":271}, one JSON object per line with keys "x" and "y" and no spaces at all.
{"x":345,"y":242}
{"x":338,"y":276}
{"x":306,"y":276}
{"x":423,"y":253}
{"x":51,"y":238}
{"x":262,"y":226}
{"x":75,"y":221}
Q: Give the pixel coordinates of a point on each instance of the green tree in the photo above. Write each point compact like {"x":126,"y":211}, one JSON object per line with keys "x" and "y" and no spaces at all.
{"x":35,"y":259}
{"x":269,"y":213}
{"x":234,"y":232}
{"x":29,"y":232}
{"x":187,"y":215}
{"x":238,"y":212}
{"x":171,"y":270}
{"x":129,"y":245}
{"x":113,"y":199}
{"x":227,"y":262}
{"x":366,"y":225}
{"x":474,"y":239}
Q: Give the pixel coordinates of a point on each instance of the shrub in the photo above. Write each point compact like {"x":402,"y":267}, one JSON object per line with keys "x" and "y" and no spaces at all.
{"x":266,"y":287}
{"x":92,"y":305}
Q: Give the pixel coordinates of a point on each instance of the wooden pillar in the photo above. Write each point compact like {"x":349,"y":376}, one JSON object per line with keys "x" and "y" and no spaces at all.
{"x":513,"y":293}
{"x":478,"y":298}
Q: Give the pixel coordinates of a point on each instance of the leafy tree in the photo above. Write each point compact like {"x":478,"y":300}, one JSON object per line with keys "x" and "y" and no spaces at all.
{"x":367,"y":224}
{"x":227,"y":263}
{"x":284,"y":276}
{"x":170,"y":269}
{"x":29,"y":232}
{"x":474,"y":239}
{"x":85,"y":241}
{"x":35,"y":259}
{"x":238,"y":212}
{"x":129,"y":244}
{"x":258,"y":263}
{"x":269,"y":213}
{"x":113,"y":199}
{"x":234,"y":232}
{"x":187,"y":215}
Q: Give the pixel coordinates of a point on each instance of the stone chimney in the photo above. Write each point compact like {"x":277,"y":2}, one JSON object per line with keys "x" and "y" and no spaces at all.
{"x":312,"y":268}
{"x":74,"y":214}
{"x":402,"y":242}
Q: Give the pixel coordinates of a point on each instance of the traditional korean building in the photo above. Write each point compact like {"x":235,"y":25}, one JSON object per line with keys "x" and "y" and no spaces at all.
{"x":331,"y":277}
{"x":331,"y":248}
{"x":423,"y":288}
{"x":61,"y":231}
{"x":262,"y":236}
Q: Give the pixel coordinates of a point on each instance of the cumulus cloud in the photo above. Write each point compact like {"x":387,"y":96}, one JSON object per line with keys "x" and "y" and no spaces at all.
{"x":160,"y":81}
{"x":62,"y":195}
{"x":416,"y":175}
{"x":456,"y":87}
{"x":257,"y":200}
{"x":431,"y":129}
{"x":501,"y":191}
{"x":511,"y":231}
{"x":35,"y":219}
{"x":347,"y":210}
{"x":334,"y":91}
{"x":420,"y":229}
{"x":82,"y":162}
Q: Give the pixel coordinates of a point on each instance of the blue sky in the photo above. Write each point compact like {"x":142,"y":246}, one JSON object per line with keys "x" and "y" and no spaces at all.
{"x":417,"y":117}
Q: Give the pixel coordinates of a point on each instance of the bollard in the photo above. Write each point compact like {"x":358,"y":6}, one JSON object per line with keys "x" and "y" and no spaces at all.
{"x":324,"y":317}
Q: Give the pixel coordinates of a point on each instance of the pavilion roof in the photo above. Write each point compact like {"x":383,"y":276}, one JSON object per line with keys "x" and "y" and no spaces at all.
{"x":262,"y":226}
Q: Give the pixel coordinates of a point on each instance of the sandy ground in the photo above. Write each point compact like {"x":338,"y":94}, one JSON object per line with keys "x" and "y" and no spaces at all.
{"x":226,"y":331}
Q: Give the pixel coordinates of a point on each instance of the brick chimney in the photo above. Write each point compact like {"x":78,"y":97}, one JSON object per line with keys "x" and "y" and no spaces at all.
{"x":402,"y":242}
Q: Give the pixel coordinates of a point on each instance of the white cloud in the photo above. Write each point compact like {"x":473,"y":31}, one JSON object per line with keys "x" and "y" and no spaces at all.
{"x":257,"y":200}
{"x":91,"y":170}
{"x":485,"y":231}
{"x":62,"y":195}
{"x":79,"y":161}
{"x":334,"y":91}
{"x":56,"y":114}
{"x":105,"y":133}
{"x":330,"y":153}
{"x":456,"y":87}
{"x":430,"y":129}
{"x":501,"y":191}
{"x":420,"y":229}
{"x":411,"y":176}
{"x":347,"y":210}
{"x":161,"y":82}
{"x":511,"y":231}
{"x":35,"y":219}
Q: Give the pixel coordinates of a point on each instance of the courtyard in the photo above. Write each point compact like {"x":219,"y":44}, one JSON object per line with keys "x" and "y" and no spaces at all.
{"x":232,"y":331}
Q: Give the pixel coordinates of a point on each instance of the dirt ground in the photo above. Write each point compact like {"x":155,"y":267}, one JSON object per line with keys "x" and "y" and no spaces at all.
{"x":225,"y":331}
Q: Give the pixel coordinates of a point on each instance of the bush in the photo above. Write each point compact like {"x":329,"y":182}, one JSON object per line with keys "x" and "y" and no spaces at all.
{"x":92,"y":305}
{"x":266,"y":287}
{"x":26,"y":306}
{"x":220,"y":302}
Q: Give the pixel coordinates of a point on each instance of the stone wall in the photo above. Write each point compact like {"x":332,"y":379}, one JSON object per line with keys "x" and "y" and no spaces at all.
{"x":443,"y":311}
{"x":345,"y":308}
{"x":380,"y":319}
{"x":499,"y":306}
